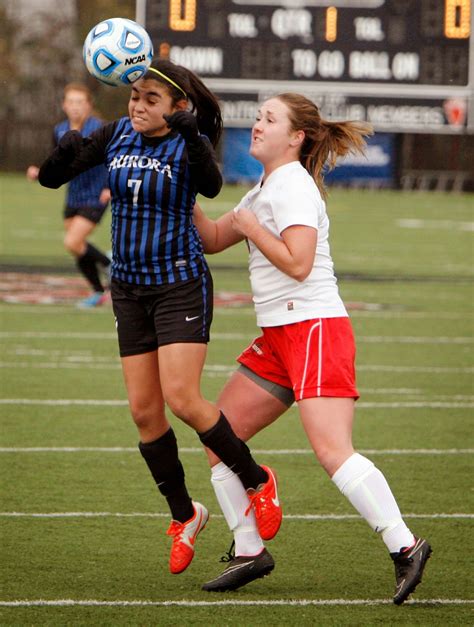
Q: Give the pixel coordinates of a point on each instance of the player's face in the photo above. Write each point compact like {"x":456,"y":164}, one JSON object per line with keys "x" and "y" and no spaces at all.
{"x":149,"y":100}
{"x":271,"y":135}
{"x":77,"y":107}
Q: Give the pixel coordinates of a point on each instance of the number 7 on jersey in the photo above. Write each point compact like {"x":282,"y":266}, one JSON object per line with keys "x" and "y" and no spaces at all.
{"x":135,"y":184}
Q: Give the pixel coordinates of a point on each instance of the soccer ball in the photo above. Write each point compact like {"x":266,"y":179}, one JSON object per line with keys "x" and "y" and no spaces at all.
{"x":118,"y":51}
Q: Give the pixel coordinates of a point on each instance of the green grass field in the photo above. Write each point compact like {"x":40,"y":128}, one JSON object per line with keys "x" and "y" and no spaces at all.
{"x":83,"y":527}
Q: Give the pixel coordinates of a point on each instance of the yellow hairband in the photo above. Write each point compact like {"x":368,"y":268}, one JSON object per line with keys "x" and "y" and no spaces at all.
{"x":167,"y":78}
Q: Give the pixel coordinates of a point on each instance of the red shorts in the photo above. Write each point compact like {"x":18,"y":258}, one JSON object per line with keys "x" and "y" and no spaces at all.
{"x":313,"y":357}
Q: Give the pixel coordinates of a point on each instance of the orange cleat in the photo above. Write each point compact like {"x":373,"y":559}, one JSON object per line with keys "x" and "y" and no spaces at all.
{"x":184,"y":536}
{"x":266,"y":506}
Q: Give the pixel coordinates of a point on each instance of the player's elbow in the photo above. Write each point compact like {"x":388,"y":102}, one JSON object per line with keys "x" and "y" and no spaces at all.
{"x":299,"y":273}
{"x":210,"y":248}
{"x":210,"y":190}
{"x":46,"y":181}
{"x":49,"y":184}
{"x":300,"y":277}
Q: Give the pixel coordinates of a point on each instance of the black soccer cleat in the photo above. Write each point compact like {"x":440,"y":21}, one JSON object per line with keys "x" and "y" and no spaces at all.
{"x":241,"y":571}
{"x":409,"y":566}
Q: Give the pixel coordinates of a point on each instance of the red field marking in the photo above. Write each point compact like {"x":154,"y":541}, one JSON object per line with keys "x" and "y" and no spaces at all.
{"x":48,"y":289}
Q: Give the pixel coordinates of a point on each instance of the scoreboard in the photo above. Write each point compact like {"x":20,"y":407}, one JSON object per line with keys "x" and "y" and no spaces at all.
{"x":403,"y":65}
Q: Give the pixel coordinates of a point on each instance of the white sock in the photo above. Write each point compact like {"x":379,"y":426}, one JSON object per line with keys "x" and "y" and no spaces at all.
{"x":234,"y":500}
{"x":368,"y":491}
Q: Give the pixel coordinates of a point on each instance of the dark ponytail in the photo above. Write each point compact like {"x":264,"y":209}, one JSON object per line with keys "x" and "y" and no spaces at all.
{"x":182,"y":83}
{"x":324,"y":141}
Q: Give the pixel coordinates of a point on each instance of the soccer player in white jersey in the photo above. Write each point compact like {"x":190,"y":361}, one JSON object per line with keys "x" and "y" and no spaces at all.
{"x":306,"y":351}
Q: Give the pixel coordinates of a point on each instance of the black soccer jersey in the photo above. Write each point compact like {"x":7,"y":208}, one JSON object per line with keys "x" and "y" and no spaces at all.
{"x":84,"y":190}
{"x":154,"y":182}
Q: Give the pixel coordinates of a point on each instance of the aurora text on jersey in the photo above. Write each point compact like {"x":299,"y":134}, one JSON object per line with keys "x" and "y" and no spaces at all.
{"x":154,"y":182}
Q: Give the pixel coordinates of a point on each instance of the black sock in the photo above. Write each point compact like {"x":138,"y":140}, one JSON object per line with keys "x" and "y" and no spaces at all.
{"x":97,"y":255}
{"x":87,"y":265}
{"x":235,"y":454}
{"x":162,"y":459}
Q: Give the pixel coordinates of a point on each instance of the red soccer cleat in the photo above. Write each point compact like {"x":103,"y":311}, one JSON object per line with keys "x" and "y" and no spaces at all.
{"x":266,"y":506}
{"x":184,"y":536}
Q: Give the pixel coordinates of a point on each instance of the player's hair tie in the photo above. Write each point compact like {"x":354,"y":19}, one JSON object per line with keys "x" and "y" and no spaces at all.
{"x":167,"y":78}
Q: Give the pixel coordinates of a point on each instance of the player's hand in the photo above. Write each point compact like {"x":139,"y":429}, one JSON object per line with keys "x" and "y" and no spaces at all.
{"x":32,"y":173}
{"x":70,"y":145}
{"x":244,"y":222}
{"x":185,"y":123}
{"x":105,"y":196}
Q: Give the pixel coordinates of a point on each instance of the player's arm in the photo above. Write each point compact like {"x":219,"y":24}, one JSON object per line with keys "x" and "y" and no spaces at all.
{"x":73,"y":155}
{"x":293,"y":254}
{"x":216,"y":235}
{"x":204,"y":168}
{"x":201,"y":157}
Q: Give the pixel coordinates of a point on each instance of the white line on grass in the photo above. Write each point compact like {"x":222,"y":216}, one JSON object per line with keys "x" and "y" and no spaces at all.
{"x":315,"y":517}
{"x":450,"y":225}
{"x":397,"y":339}
{"x":63,"y":365}
{"x":63,"y":402}
{"x":414,"y":405}
{"x":409,"y":339}
{"x":401,"y":314}
{"x":85,"y":358}
{"x":217,"y":370}
{"x":224,"y":602}
{"x":18,"y":308}
{"x":123,"y":403}
{"x":291,"y":451}
{"x":420,"y":369}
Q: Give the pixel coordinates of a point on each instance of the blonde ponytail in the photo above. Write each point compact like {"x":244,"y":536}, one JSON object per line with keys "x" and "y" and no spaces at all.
{"x":324,"y":141}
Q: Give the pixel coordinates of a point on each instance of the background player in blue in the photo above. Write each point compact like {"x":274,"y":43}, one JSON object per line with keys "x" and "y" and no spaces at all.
{"x":87,"y":196}
{"x":161,"y":290}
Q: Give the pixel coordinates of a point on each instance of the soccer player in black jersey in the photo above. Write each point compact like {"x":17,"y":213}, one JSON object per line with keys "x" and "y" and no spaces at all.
{"x":159,"y":158}
{"x":87,"y":195}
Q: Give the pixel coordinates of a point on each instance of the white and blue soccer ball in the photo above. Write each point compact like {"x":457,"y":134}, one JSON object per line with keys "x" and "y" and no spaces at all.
{"x":118,"y":51}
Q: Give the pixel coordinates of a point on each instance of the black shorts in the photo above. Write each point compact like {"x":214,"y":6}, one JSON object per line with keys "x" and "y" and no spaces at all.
{"x":93,"y":214}
{"x":148,"y":317}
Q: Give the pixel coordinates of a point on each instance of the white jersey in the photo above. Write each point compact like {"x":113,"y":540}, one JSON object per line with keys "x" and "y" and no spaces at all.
{"x":290,"y":197}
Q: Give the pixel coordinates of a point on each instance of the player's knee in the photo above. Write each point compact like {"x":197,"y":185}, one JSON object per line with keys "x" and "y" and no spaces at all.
{"x":331,"y":457}
{"x":182,"y":405}
{"x":185,"y":401}
{"x":73,"y":244}
{"x":144,"y":414}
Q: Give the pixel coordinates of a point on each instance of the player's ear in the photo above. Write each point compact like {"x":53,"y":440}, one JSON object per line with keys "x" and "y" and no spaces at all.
{"x":297,"y":138}
{"x":181,"y":105}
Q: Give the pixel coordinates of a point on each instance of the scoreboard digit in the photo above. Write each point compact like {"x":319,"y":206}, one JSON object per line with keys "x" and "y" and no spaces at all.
{"x":182,"y":15}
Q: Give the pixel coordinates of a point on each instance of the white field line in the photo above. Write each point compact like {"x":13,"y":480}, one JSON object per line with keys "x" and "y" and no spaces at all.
{"x":397,"y":339}
{"x":426,"y":369}
{"x":287,"y":451}
{"x":415,"y":405}
{"x":450,"y":225}
{"x":64,"y":358}
{"x":226,"y":603}
{"x":295,"y":517}
{"x":220,"y":370}
{"x":66,"y":365}
{"x":122,"y":403}
{"x":401,"y":314}
{"x":397,"y":314}
{"x":85,"y":357}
